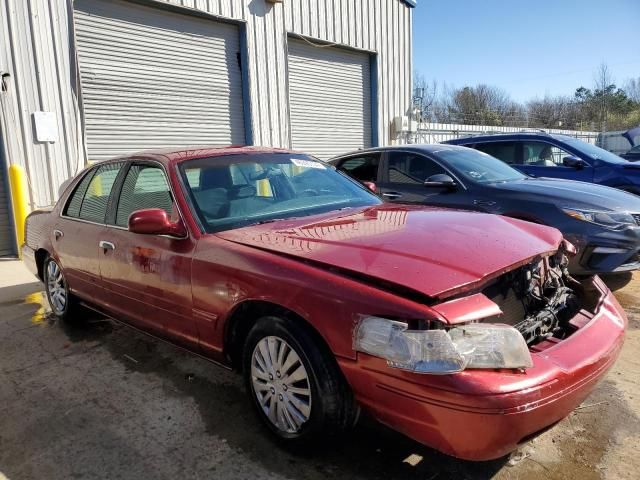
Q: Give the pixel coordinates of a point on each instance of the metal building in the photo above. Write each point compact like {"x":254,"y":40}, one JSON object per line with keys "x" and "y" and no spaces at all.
{"x":84,"y":80}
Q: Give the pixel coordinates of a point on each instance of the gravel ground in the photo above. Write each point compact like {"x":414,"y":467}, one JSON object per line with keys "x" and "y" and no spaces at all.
{"x":103,"y":402}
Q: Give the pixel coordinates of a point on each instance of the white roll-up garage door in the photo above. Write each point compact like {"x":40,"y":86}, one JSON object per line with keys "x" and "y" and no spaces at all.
{"x":6,"y":229}
{"x":154,"y":78}
{"x":329,"y":99}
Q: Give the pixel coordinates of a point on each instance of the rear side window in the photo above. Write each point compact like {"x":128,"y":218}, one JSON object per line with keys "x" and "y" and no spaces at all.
{"x":505,"y":151}
{"x":364,"y":169}
{"x":94,"y":204}
{"x":89,"y":201}
{"x":73,"y":207}
{"x":145,"y":186}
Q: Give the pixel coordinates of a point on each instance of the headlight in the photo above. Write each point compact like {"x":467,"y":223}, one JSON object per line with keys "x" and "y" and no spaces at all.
{"x":440,"y":351}
{"x":612,"y":220}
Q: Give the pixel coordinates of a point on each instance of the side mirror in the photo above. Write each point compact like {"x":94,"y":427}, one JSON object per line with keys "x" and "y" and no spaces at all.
{"x":440,"y":180}
{"x":371,"y":186}
{"x":155,"y":221}
{"x":573,"y":162}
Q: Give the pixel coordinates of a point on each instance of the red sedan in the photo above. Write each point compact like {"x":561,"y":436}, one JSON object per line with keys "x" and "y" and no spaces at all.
{"x":462,"y":330}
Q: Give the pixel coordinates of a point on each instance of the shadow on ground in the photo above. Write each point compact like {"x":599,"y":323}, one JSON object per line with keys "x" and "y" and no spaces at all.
{"x":370,"y":451}
{"x":617,"y":281}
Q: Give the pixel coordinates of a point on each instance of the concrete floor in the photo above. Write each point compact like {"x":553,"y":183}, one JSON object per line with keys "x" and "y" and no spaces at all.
{"x":104,"y":402}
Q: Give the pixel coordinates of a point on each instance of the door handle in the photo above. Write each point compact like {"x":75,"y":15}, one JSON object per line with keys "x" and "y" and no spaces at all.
{"x":392,"y":195}
{"x":58,"y":234}
{"x":106,"y":245}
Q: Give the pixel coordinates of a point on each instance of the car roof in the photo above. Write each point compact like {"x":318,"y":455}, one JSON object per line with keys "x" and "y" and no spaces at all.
{"x":174,"y":155}
{"x":417,"y":147}
{"x":496,"y":137}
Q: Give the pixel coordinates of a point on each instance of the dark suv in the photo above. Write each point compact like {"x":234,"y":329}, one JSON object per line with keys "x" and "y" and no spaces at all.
{"x":558,"y":156}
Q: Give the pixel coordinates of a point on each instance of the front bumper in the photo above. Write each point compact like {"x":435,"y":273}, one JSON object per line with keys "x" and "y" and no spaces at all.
{"x":605,"y":252}
{"x":485,"y":414}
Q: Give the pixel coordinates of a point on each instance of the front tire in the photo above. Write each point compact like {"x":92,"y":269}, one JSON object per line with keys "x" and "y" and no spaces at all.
{"x":63,"y":304}
{"x":295,"y":383}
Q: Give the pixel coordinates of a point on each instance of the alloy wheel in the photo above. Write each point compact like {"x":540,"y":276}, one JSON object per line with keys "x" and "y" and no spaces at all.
{"x":56,"y":288}
{"x":281,"y":384}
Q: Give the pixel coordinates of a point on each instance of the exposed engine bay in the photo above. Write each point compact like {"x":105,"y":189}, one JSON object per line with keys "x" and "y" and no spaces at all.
{"x":538,"y":299}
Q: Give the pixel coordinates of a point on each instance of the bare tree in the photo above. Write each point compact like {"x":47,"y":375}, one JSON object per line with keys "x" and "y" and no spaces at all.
{"x":424,"y":96}
{"x":603,"y":83}
{"x":552,"y":112}
{"x":478,"y":105}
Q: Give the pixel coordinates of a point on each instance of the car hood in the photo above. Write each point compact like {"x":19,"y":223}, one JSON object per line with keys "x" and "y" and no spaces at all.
{"x":570,"y":193}
{"x":435,"y":252}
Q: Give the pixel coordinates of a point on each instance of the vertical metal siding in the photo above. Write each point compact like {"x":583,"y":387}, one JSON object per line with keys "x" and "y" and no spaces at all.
{"x":34,"y":49}
{"x":37,"y":48}
{"x":152,"y":78}
{"x":382,"y":26}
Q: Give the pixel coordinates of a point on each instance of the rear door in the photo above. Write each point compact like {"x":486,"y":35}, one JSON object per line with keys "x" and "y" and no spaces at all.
{"x":403,"y":176}
{"x":80,"y":227}
{"x":147,"y":278}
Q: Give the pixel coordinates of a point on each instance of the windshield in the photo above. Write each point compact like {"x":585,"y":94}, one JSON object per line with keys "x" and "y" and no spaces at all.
{"x":478,"y":166}
{"x":594,"y":152}
{"x":234,"y":191}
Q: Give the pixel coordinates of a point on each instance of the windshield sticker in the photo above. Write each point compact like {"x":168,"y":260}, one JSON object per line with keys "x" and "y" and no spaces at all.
{"x":299,"y":162}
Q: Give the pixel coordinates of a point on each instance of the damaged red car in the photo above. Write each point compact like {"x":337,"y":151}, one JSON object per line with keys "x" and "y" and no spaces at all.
{"x":462,"y":330}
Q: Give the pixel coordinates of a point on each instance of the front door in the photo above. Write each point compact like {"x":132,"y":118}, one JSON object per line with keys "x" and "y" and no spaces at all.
{"x":404,"y":176}
{"x":542,"y":159}
{"x":148,"y":277}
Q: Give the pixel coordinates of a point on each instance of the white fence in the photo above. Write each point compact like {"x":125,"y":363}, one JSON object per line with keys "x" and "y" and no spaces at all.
{"x":440,"y":132}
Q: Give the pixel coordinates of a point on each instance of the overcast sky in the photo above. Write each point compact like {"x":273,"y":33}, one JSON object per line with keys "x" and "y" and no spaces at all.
{"x":529,"y":48}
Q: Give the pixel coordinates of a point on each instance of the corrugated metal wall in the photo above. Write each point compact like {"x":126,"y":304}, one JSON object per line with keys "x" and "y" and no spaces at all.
{"x":36,"y":48}
{"x":383,"y":26}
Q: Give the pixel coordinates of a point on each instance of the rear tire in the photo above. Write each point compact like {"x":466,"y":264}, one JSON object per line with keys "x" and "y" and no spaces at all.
{"x":295,"y":383}
{"x":64,"y":304}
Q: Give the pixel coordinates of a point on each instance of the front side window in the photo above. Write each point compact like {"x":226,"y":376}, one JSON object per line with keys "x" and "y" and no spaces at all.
{"x":233,"y":191}
{"x":89,"y":200}
{"x":543,"y":154}
{"x":364,"y":169}
{"x":591,"y":151}
{"x":477,"y":166}
{"x":145,"y":186}
{"x":410,"y":168}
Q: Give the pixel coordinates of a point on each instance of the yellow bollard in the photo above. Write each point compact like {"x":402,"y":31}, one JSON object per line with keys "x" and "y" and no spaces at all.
{"x":19,"y":200}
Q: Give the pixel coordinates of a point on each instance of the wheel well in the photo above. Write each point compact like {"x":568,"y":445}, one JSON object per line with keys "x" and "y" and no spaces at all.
{"x":242,"y":319}
{"x":41,"y":256}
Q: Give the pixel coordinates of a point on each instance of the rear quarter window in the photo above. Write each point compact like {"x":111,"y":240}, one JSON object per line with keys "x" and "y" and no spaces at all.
{"x":505,"y":151}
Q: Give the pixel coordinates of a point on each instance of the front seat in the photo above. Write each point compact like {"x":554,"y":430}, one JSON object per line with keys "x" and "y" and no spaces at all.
{"x":213,"y":194}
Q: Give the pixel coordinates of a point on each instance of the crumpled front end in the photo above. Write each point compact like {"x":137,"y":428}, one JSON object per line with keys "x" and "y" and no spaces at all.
{"x":573,"y":333}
